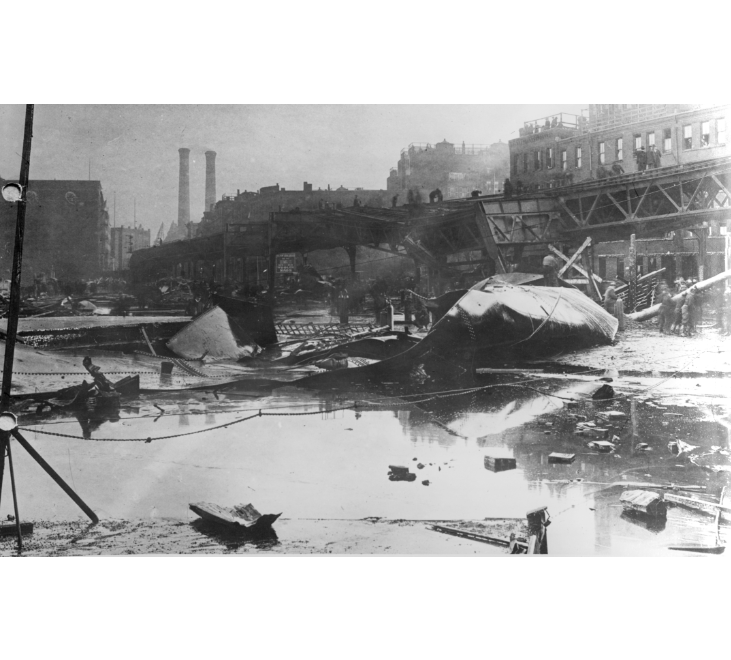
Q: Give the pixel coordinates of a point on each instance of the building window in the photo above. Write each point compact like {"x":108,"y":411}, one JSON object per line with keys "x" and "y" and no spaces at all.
{"x":525,"y":162}
{"x":549,"y":158}
{"x":721,"y":130}
{"x":515,"y":164}
{"x":602,"y":153}
{"x":705,"y":133}
{"x":537,"y":160}
{"x":638,"y":141}
{"x":620,"y":150}
{"x":667,"y":140}
{"x":564,"y":160}
{"x":651,"y":139}
{"x":578,"y":157}
{"x":687,"y":136}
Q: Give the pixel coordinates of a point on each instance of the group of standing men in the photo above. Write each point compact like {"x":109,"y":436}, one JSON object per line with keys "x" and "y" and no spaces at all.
{"x":648,"y":159}
{"x":683,"y":314}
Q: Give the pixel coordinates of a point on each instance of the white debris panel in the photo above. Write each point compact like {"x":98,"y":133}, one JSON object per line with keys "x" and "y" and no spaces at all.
{"x":210,"y":336}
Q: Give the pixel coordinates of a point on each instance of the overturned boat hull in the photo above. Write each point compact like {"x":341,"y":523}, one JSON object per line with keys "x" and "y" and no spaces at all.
{"x":498,"y":323}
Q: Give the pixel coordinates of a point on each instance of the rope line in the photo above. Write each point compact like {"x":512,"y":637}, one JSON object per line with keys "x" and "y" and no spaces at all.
{"x":181,"y":435}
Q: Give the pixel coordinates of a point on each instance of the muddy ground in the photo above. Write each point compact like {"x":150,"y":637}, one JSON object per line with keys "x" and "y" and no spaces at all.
{"x":325,"y":470}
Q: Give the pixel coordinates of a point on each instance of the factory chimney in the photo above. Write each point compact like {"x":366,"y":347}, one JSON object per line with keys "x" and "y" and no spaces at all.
{"x":210,"y":180}
{"x":184,"y":188}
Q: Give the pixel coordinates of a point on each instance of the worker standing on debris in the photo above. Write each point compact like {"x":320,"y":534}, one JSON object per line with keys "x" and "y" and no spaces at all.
{"x":667,"y":309}
{"x":343,"y":305}
{"x":550,"y":270}
{"x":689,"y":319}
{"x":610,"y":298}
{"x":678,"y":315}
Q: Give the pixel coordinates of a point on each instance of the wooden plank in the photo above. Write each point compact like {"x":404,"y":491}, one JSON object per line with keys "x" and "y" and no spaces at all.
{"x":699,"y":505}
{"x":149,"y":345}
{"x":482,"y":538}
{"x":575,"y":256}
{"x":560,"y":254}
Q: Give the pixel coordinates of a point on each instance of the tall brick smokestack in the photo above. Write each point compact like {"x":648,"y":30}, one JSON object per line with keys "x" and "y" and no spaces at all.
{"x":210,"y":179}
{"x":184,"y":188}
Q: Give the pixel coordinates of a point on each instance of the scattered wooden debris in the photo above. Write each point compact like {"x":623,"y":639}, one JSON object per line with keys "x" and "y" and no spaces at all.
{"x":400,"y":473}
{"x":557,"y":457}
{"x":499,"y":463}
{"x":9,"y":528}
{"x":241,"y":516}
{"x":645,"y":502}
{"x":602,"y":445}
{"x":699,"y":505}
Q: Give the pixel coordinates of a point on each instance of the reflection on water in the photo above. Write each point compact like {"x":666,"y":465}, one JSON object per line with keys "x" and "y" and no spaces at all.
{"x":326,"y":455}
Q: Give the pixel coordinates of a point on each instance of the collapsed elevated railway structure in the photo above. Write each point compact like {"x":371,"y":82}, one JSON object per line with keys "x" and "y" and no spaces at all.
{"x":600,"y":224}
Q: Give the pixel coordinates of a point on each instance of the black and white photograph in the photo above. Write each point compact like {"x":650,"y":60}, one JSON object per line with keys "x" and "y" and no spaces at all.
{"x":365,"y":329}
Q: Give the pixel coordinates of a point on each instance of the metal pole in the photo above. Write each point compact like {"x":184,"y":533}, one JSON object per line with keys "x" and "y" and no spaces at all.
{"x":55,"y":476}
{"x":271,"y":274}
{"x":15,"y":495}
{"x":632,"y":273}
{"x":225,"y":256}
{"x":12,"y":329}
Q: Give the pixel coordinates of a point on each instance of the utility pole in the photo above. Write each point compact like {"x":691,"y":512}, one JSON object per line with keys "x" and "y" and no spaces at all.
{"x":12,"y":329}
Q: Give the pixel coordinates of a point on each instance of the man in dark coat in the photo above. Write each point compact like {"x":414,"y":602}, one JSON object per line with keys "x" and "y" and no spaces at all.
{"x":641,"y":156}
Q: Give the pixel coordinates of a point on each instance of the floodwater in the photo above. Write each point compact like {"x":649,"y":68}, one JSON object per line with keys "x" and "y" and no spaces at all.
{"x":325,"y":455}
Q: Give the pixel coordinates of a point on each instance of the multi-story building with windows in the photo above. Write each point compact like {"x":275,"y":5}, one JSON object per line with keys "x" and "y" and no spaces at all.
{"x":604,"y":142}
{"x":124,"y":241}
{"x":66,"y":231}
{"x":573,"y":148}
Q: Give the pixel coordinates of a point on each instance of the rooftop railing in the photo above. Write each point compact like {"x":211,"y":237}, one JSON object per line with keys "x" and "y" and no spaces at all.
{"x":467,"y":149}
{"x":559,"y":120}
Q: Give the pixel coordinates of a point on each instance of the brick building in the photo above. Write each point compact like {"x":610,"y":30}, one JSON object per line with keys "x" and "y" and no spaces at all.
{"x":124,"y":241}
{"x":564,"y":149}
{"x":455,"y":170}
{"x":551,"y":153}
{"x":66,"y":231}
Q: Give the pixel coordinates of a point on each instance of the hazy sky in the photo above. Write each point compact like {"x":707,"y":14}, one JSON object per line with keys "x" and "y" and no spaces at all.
{"x":134,"y":149}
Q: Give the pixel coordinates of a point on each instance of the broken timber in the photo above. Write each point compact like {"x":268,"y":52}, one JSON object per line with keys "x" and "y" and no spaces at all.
{"x":711,"y":508}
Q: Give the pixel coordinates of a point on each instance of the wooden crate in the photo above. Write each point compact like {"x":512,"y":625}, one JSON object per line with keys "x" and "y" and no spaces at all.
{"x":643,"y":501}
{"x":8,"y":528}
{"x":557,"y":457}
{"x":499,"y":463}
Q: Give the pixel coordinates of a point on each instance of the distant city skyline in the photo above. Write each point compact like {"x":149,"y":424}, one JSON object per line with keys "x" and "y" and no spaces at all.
{"x":133,"y":149}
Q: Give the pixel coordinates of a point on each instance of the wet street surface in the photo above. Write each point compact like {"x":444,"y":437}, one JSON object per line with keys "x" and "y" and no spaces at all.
{"x":321,"y":458}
